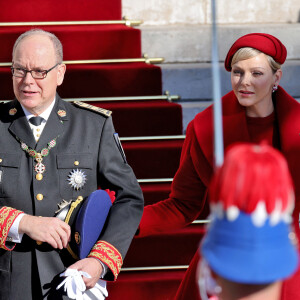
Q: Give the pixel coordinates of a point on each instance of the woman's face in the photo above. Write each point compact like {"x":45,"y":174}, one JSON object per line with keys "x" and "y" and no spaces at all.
{"x":252,"y":81}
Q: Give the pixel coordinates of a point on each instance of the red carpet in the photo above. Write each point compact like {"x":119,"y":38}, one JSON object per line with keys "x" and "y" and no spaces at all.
{"x":109,"y":80}
{"x":153,"y":117}
{"x":60,"y":10}
{"x":170,"y":249}
{"x":92,"y":41}
{"x":154,"y":191}
{"x":159,"y":159}
{"x":150,"y":285}
{"x":105,"y":80}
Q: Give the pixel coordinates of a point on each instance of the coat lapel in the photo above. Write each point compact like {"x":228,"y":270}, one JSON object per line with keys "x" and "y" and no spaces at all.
{"x":288,"y":114}
{"x":19,"y":126}
{"x":234,"y":126}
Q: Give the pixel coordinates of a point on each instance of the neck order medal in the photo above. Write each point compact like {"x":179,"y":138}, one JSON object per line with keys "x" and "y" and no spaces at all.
{"x":38,"y":156}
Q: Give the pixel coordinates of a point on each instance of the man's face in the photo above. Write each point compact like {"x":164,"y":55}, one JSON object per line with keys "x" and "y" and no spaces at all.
{"x":36,"y":52}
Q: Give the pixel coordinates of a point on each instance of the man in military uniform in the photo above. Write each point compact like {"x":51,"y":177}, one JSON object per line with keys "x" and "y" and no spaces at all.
{"x":67,"y":152}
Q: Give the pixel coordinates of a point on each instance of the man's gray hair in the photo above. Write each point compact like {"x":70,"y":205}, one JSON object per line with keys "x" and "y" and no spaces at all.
{"x":55,"y":41}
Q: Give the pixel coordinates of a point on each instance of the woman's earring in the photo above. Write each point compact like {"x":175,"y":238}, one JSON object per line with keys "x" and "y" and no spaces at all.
{"x":274,"y":88}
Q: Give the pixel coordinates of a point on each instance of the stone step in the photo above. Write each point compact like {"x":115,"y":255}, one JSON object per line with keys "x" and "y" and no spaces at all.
{"x":192,"y":43}
{"x":193,"y":81}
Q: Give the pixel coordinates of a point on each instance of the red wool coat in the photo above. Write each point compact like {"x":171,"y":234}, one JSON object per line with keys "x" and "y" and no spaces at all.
{"x":189,"y":188}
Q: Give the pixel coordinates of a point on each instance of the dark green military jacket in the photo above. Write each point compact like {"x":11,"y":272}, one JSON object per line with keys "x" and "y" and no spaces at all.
{"x":83,"y":136}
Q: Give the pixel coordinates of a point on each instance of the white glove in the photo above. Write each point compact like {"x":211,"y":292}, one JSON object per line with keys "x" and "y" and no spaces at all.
{"x":75,"y":288}
{"x":98,"y":292}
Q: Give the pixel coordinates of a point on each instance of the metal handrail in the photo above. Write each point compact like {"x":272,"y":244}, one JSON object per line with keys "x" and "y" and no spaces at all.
{"x":152,"y":138}
{"x":167,"y":97}
{"x":133,"y":98}
{"x":201,"y":222}
{"x":156,"y":268}
{"x":125,"y":21}
{"x":155,"y":180}
{"x":151,"y":60}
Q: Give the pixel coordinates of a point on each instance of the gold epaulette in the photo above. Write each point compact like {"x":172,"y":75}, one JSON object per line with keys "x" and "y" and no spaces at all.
{"x":100,"y":110}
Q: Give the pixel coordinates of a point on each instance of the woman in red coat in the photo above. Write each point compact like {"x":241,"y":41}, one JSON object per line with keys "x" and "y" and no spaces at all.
{"x":257,"y":109}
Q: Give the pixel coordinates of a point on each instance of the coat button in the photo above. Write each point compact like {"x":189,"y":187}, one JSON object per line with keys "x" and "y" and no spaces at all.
{"x":39,"y":197}
{"x":0,"y":160}
{"x":76,"y":163}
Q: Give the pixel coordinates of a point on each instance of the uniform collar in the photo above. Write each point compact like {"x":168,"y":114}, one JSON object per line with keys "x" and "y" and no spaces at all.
{"x":45,"y":114}
{"x":19,"y":126}
{"x":55,"y":125}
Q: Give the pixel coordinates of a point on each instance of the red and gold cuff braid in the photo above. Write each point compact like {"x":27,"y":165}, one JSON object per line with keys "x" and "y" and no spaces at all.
{"x":109,"y":255}
{"x":7,"y":217}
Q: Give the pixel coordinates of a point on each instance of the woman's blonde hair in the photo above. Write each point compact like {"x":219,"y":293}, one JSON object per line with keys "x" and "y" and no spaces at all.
{"x":248,"y":52}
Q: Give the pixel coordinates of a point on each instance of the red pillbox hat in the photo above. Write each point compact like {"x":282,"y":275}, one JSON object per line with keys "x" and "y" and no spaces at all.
{"x":263,"y":42}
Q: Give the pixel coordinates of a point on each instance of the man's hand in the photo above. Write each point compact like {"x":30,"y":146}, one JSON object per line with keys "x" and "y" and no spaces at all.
{"x":92,"y":266}
{"x":50,"y":230}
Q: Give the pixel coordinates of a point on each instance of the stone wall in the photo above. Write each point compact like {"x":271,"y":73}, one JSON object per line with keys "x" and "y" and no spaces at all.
{"x":167,"y":12}
{"x":180,"y":30}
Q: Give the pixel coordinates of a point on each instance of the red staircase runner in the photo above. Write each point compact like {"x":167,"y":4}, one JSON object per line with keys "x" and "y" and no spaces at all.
{"x":99,"y":80}
{"x":172,"y":249}
{"x":154,"y":191}
{"x":60,"y":10}
{"x":152,"y":285}
{"x":145,"y":118}
{"x":159,"y":159}
{"x":82,"y":41}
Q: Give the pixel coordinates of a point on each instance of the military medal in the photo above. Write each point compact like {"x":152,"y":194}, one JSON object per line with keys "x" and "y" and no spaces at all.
{"x":62,"y":113}
{"x":39,"y":168}
{"x":12,"y":111}
{"x":77,"y":179}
